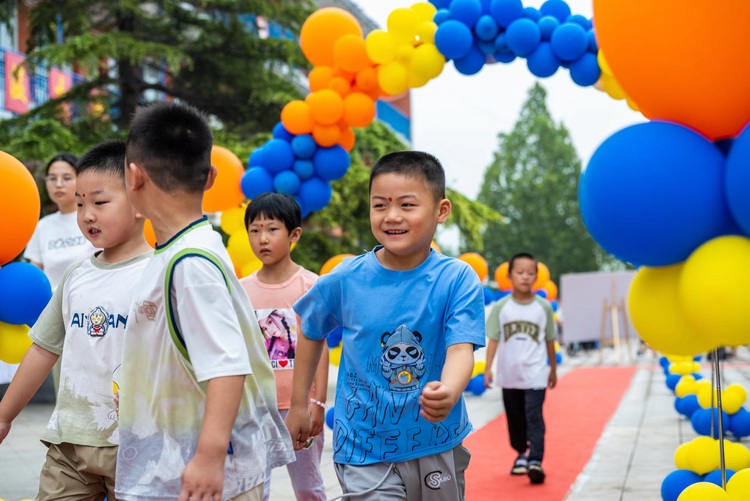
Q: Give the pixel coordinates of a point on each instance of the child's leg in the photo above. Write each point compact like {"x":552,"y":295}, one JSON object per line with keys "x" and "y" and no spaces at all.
{"x":355,"y":479}
{"x":438,"y":477}
{"x":535,"y":423}
{"x":515,"y":413}
{"x":77,"y":472}
{"x":305,"y":472}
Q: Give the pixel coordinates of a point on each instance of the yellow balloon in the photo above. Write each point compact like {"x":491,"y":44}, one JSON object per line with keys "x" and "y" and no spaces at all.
{"x":736,"y":455}
{"x":402,"y":23}
{"x":682,"y":368}
{"x":426,"y":32}
{"x":479,"y":368}
{"x":393,"y":77}
{"x":381,"y":46}
{"x":239,"y":250}
{"x":706,"y":396}
{"x":612,"y":87}
{"x":703,"y":491}
{"x":739,"y":390}
{"x":603,"y":65}
{"x":404,"y":53}
{"x":427,"y":61}
{"x":681,"y":460}
{"x":731,"y":402}
{"x":703,"y":455}
{"x":14,"y":342}
{"x":435,"y":246}
{"x":686,"y":386}
{"x":713,"y":288}
{"x":738,"y":487}
{"x":233,"y":220}
{"x":424,"y":11}
{"x":658,"y":316}
{"x":334,"y":355}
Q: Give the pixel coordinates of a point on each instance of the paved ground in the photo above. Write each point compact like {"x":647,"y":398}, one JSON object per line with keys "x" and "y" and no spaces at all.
{"x":629,"y":462}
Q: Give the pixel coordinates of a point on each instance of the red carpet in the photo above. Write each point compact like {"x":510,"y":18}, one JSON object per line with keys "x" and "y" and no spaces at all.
{"x":575,"y":414}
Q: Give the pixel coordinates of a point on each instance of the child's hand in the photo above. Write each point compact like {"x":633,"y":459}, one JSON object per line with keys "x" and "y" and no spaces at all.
{"x":317,"y":419}
{"x":4,"y":430}
{"x":298,"y":423}
{"x":552,"y":380}
{"x":488,"y":378}
{"x":437,"y":400}
{"x":203,"y":478}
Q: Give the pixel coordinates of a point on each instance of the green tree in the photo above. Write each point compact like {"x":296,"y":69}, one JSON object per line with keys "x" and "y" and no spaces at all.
{"x":533,"y":182}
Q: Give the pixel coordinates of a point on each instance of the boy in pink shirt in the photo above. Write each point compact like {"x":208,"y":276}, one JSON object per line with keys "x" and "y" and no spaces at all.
{"x":273,"y":224}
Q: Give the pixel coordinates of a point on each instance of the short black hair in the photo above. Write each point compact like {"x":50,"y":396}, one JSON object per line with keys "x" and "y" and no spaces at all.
{"x":522,"y":255}
{"x":412,"y":164}
{"x":275,"y":206}
{"x":68,"y":158}
{"x":104,"y":158}
{"x":172,"y":142}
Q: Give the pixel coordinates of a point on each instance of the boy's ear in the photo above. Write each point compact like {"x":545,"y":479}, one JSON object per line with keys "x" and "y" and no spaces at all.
{"x":295,"y":234}
{"x":444,"y":210}
{"x":211,"y":178}
{"x":137,"y":176}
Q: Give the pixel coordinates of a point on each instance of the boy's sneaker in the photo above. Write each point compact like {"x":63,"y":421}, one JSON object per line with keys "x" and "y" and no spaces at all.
{"x":520,"y":466}
{"x":536,"y":473}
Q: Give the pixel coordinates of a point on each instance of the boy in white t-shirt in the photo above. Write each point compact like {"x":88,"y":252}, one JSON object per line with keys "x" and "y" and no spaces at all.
{"x":85,"y":320}
{"x":274,"y":223}
{"x":521,"y":330}
{"x":198,"y":416}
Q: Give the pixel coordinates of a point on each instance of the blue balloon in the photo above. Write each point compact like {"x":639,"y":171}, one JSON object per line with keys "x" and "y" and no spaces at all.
{"x":737,"y":178}
{"x":569,"y":41}
{"x":476,"y":385}
{"x":489,"y":295}
{"x":672,"y":381}
{"x":471,"y":63}
{"x":580,"y":21}
{"x":688,"y":405}
{"x":277,"y":156}
{"x":501,"y":43}
{"x":286,"y":182}
{"x":504,"y":12}
{"x":305,"y":211}
{"x":466,"y":11}
{"x":556,"y":8}
{"x":593,"y":44}
{"x":653,"y":192}
{"x":331,"y":163}
{"x":676,"y":482}
{"x":523,"y":36}
{"x":304,"y":169}
{"x":701,"y":421}
{"x":543,"y":62}
{"x":697,"y":375}
{"x":532,"y":13}
{"x":279,"y":132}
{"x":715,"y":476}
{"x":486,"y":28}
{"x":453,"y":39}
{"x":542,"y":293}
{"x":487,"y":48}
{"x":554,"y":304}
{"x":256,"y":158}
{"x":585,"y":70}
{"x":256,"y":180}
{"x":547,"y":26}
{"x":24,"y":292}
{"x":501,"y":294}
{"x":330,"y":417}
{"x":441,"y":16}
{"x":304,"y":146}
{"x":558,"y":358}
{"x":739,"y":423}
{"x":663,"y":361}
{"x":504,"y":57}
{"x":334,"y":337}
{"x":314,"y":194}
{"x":441,"y":4}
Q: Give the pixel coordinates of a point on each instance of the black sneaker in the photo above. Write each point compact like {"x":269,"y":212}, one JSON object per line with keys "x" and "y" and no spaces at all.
{"x":520,"y":466}
{"x":536,"y":473}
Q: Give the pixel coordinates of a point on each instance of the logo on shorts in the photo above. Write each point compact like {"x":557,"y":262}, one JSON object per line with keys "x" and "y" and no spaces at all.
{"x":435,"y":479}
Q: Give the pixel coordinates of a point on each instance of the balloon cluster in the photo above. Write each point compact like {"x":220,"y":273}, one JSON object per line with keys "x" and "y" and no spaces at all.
{"x":475,"y":32}
{"x":669,"y":195}
{"x":310,"y":144}
{"x":475,"y":385}
{"x":684,"y":484}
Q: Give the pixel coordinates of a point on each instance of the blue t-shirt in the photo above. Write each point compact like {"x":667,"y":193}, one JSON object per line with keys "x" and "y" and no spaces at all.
{"x":397,"y":326}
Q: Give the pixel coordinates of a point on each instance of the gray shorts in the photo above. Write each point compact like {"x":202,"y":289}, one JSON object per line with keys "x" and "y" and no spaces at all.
{"x":439,"y":477}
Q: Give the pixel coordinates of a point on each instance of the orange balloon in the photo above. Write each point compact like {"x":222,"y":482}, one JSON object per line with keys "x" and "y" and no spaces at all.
{"x":148,"y":232}
{"x":333,"y":262}
{"x":226,"y":191}
{"x":326,"y":135}
{"x":347,"y":75}
{"x":319,"y":78}
{"x":326,"y":106}
{"x":501,"y":277}
{"x":340,"y":86}
{"x":347,"y":139}
{"x":435,"y":246}
{"x":687,"y":64}
{"x":322,"y":29}
{"x":551,"y":289}
{"x":477,"y":263}
{"x":359,"y":110}
{"x":297,"y":118}
{"x":542,"y":276}
{"x":350,"y":54}
{"x":20,"y":206}
{"x":367,"y":79}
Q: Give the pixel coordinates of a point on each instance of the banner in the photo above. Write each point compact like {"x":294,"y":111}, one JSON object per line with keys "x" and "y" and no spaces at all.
{"x":17,"y":92}
{"x":59,"y":83}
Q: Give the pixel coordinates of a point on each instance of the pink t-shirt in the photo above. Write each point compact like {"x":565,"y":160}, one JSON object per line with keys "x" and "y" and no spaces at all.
{"x":279,"y":324}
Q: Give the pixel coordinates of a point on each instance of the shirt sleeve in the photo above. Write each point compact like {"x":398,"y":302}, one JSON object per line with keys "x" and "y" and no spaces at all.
{"x":49,"y":329}
{"x":318,"y":318}
{"x":493,"y":322}
{"x":205,"y":318}
{"x":465,"y":315}
{"x":550,"y":328}
{"x":33,"y":250}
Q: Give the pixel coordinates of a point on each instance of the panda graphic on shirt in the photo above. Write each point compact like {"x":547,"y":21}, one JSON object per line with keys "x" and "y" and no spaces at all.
{"x":402,"y":363}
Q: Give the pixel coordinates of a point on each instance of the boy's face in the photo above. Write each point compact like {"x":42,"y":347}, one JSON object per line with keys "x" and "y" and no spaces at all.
{"x":403,"y":216}
{"x":270,"y":240}
{"x":105,"y":215}
{"x":523,"y":274}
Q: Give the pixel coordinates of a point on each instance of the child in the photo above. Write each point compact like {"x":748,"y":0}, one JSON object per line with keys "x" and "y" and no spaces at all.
{"x":521,"y":330}
{"x":411,"y":320}
{"x":198,"y":414}
{"x":274,"y":223}
{"x":85,"y":321}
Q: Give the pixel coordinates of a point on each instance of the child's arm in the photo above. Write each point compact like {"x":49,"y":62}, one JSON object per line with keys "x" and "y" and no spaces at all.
{"x":34,"y":367}
{"x":203,"y":477}
{"x":552,"y":381}
{"x":318,"y":412}
{"x":439,"y":397}
{"x":491,"y":350}
{"x":306,"y":361}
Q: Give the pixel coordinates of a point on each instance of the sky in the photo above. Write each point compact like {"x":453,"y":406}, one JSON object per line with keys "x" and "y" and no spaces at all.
{"x":457,"y":118}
